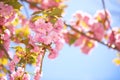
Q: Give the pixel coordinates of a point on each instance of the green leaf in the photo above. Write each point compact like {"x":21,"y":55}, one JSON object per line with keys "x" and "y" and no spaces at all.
{"x":72,"y":40}
{"x":37,"y":12}
{"x":55,"y":12}
{"x":53,"y":20}
{"x":31,"y":60}
{"x":36,"y":17}
{"x":14,"y":3}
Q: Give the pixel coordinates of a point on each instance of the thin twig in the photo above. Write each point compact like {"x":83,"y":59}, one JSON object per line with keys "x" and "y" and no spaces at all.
{"x":41,"y":63}
{"x":106,"y":18}
{"x":6,"y":53}
{"x":33,"y":4}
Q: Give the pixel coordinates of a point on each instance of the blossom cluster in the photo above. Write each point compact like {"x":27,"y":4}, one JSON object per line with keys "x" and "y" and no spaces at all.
{"x":7,"y":16}
{"x":20,"y":74}
{"x":94,"y":27}
{"x":114,"y":38}
{"x":36,"y":38}
{"x":48,"y":34}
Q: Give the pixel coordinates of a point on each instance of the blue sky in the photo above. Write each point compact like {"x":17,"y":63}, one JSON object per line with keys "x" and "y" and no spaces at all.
{"x":74,"y":65}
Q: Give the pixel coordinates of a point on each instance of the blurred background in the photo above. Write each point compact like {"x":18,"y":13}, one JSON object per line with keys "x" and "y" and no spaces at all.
{"x":71,"y":64}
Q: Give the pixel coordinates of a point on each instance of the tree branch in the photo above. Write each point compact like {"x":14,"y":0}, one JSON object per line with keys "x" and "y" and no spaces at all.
{"x":106,"y":18}
{"x":33,"y":4}
{"x":41,"y":63}
{"x":92,"y":38}
{"x":6,"y":53}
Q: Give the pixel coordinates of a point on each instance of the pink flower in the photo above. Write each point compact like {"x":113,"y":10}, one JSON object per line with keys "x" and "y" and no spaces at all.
{"x":83,"y":21}
{"x":35,"y":49}
{"x":66,"y":37}
{"x":2,"y":21}
{"x":112,"y":38}
{"x":12,"y":66}
{"x":5,"y":9}
{"x":98,"y":31}
{"x":19,"y":74}
{"x":16,"y":59}
{"x":47,"y":40}
{"x":54,"y":36}
{"x":11,"y":77}
{"x":6,"y":44}
{"x":58,"y":25}
{"x":104,"y":17}
{"x":39,"y":57}
{"x":7,"y":12}
{"x":26,"y":76}
{"x":41,"y":27}
{"x":87,"y":18}
{"x":59,"y":45}
{"x":79,"y":41}
{"x":79,"y":15}
{"x":37,"y":75}
{"x":6,"y":35}
{"x":45,"y":4}
{"x":87,"y":47}
{"x":117,"y":42}
{"x":1,"y":53}
{"x":53,"y":54}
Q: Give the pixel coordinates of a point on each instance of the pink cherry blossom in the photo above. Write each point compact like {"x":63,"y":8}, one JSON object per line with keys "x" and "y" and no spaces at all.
{"x":45,"y":4}
{"x":39,"y":57}
{"x":53,"y":54}
{"x":6,"y":35}
{"x":5,"y":9}
{"x":87,"y":47}
{"x":2,"y":21}
{"x":1,"y":53}
{"x":19,"y":74}
{"x":79,"y":41}
{"x":7,"y":12}
{"x":111,"y":38}
{"x":114,"y":38}
{"x":103,"y":16}
{"x":59,"y":45}
{"x":79,"y":15}
{"x":26,"y":76}
{"x":37,"y":75}
{"x":117,"y":42}
{"x":16,"y":59}
{"x":58,"y":25}
{"x":41,"y":27}
{"x":98,"y":31}
{"x":12,"y":66}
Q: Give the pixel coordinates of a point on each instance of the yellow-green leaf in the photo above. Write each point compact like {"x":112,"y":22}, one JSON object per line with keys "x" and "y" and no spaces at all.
{"x":14,"y":3}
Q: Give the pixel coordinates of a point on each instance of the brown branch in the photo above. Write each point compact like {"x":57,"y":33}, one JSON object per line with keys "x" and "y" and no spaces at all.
{"x":92,"y":38}
{"x":41,"y":63}
{"x":6,"y":53}
{"x":106,"y":18}
{"x":33,"y":4}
